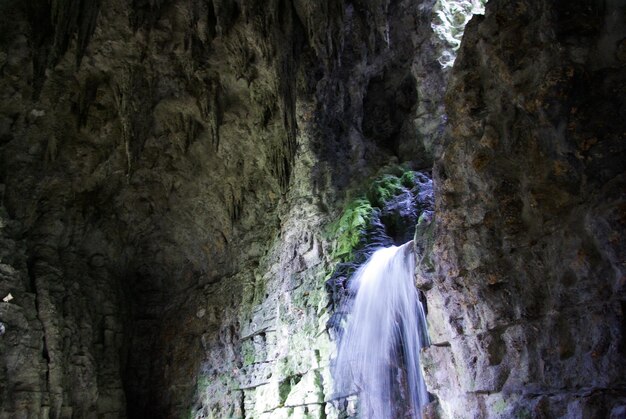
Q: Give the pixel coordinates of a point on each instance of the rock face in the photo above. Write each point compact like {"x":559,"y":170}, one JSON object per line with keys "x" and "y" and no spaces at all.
{"x":170,"y":169}
{"x":527,"y":309}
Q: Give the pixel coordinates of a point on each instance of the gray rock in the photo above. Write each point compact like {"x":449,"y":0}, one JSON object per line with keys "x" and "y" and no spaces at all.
{"x":169,"y":171}
{"x":526,"y":307}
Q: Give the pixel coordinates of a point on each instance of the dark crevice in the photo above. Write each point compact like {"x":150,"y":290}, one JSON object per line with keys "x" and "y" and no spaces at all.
{"x":53,"y":25}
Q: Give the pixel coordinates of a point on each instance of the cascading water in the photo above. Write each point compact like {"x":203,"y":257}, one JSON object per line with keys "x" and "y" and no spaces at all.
{"x":378,"y":356}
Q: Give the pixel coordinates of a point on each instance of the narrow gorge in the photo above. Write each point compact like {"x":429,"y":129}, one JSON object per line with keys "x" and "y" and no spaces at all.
{"x":189,"y":188}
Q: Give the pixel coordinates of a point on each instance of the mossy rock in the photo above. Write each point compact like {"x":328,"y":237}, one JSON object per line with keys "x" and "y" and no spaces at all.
{"x":387,"y":213}
{"x":349,"y":229}
{"x":384,"y":189}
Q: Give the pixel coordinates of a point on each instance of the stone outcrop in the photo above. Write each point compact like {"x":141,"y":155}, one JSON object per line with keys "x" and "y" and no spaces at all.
{"x":527,"y":307}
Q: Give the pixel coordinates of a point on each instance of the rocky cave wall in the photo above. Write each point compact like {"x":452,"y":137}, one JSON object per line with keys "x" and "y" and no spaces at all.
{"x":527,"y":300}
{"x":170,"y":169}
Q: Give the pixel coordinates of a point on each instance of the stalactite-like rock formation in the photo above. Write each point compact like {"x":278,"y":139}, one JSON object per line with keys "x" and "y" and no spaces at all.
{"x":169,"y":170}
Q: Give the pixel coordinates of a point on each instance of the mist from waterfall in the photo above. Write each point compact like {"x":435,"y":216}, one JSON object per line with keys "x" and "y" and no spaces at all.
{"x":378,"y":355}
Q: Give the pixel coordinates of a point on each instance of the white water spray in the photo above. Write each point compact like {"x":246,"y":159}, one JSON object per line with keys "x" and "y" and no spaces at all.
{"x":378,"y":355}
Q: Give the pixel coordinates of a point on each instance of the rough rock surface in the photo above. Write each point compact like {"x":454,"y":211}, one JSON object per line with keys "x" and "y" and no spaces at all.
{"x":169,"y":169}
{"x":528,"y":302}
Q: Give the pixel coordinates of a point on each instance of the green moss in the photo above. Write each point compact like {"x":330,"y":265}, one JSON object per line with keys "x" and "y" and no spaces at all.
{"x":203,"y":384}
{"x":247,"y":353}
{"x":285,"y":387}
{"x":283,"y":368}
{"x":383,"y":189}
{"x":408,"y":179}
{"x":349,"y":229}
{"x":248,"y":359}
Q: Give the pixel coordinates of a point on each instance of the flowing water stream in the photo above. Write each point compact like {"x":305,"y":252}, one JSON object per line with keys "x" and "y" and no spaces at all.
{"x":378,"y":356}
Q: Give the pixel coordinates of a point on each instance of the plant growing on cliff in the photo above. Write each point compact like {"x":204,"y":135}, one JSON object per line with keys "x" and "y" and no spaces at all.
{"x":360,"y":219}
{"x":350,"y":228}
{"x":384,"y":189}
{"x":385,"y":213}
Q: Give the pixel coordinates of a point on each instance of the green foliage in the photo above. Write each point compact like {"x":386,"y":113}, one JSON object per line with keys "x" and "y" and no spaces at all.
{"x":349,"y":229}
{"x":383,"y":189}
{"x":408,"y":179}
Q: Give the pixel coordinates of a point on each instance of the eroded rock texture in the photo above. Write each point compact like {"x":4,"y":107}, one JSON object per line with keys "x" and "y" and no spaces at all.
{"x":527,"y":308}
{"x":168,"y":170}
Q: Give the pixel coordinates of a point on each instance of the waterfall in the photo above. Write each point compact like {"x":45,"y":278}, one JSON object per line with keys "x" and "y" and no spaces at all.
{"x":378,"y":355}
